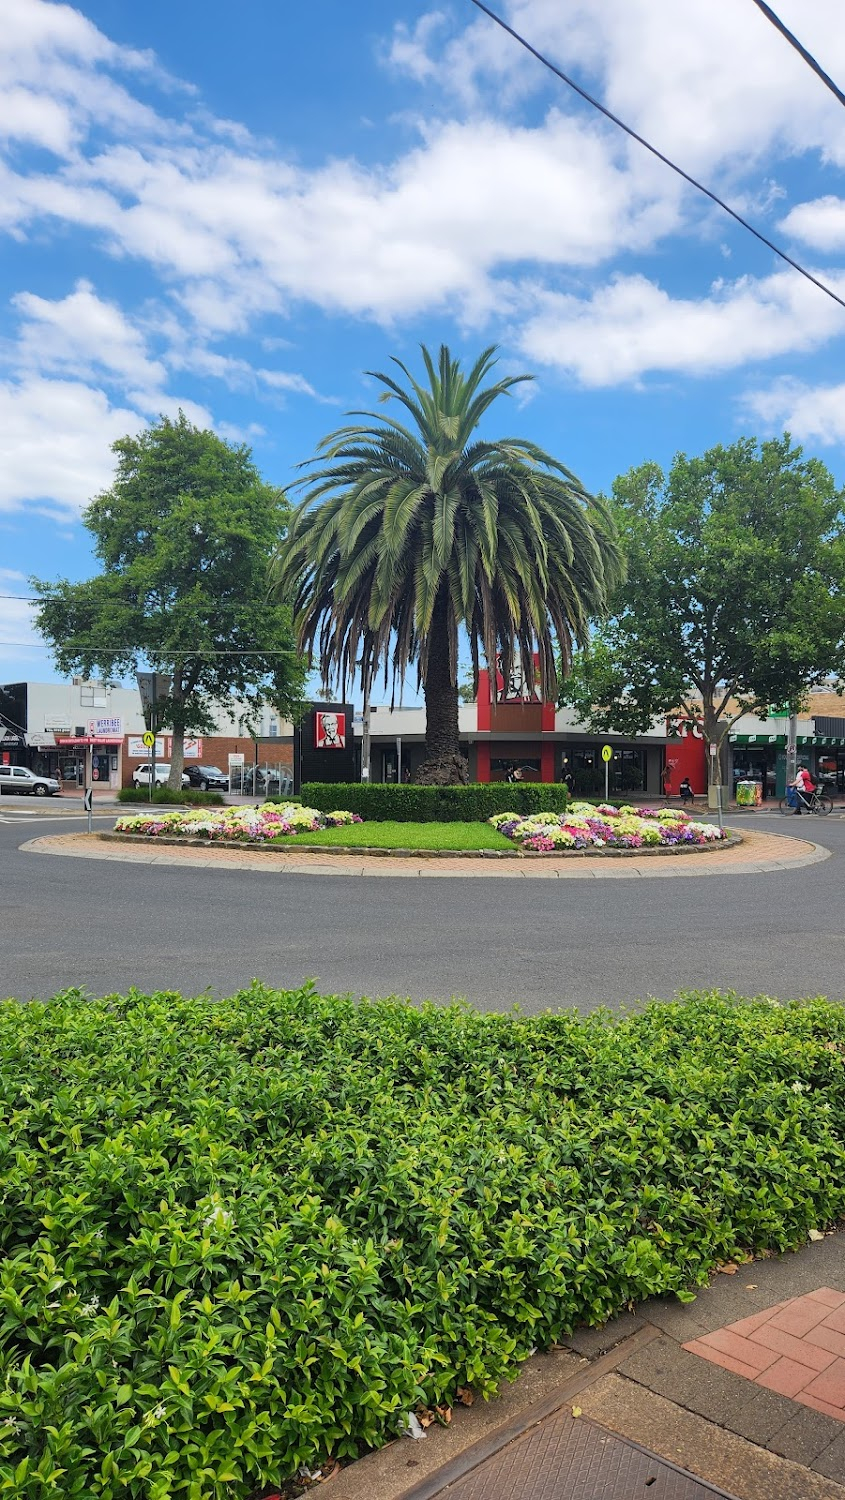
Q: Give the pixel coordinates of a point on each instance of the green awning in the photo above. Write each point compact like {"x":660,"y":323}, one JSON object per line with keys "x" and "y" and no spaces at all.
{"x":761,"y":741}
{"x":758,"y":739}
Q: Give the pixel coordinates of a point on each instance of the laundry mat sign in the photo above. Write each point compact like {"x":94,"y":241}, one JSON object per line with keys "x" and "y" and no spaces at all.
{"x":100,"y":728}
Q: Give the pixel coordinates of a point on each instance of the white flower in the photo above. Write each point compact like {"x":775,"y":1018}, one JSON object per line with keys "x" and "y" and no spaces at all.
{"x":88,"y":1309}
{"x":157,"y":1414}
{"x":219,"y":1218}
{"x":798,"y":1087}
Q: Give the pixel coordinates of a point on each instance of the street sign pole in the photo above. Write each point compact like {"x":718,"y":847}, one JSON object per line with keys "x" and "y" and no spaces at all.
{"x":714,"y":751}
{"x":89,"y":782}
{"x":153,"y":727}
{"x":607,"y":756}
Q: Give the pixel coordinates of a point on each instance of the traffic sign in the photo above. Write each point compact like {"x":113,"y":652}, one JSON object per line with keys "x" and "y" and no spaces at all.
{"x":714,"y":748}
{"x":88,"y":799}
{"x":148,"y":739}
{"x":607,"y":752}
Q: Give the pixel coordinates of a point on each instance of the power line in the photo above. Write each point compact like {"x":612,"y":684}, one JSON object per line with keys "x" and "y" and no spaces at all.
{"x":136,"y":604}
{"x":641,"y":140}
{"x":802,"y":51}
{"x":186,"y":651}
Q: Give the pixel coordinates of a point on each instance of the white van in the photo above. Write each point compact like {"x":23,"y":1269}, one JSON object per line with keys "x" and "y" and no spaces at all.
{"x":142,"y":775}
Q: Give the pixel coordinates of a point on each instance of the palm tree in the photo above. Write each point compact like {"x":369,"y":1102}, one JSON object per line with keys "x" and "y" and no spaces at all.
{"x":408,"y":533}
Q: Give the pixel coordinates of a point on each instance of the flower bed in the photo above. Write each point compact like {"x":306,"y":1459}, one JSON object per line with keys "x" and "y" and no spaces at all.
{"x":606,"y":827}
{"x":235,"y":824}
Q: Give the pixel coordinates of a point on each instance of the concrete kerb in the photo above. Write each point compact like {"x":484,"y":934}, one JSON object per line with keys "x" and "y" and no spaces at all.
{"x":750,"y":853}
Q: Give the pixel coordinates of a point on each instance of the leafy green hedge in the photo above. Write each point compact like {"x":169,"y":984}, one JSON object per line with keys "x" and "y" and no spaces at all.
{"x":187,"y":796}
{"x":240,"y":1235}
{"x":386,"y":803}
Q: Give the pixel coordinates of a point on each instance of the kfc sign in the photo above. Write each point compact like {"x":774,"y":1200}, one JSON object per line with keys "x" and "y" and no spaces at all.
{"x":679,"y":727}
{"x":329,"y":731}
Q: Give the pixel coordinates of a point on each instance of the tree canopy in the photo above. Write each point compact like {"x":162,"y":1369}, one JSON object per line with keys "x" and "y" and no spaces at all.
{"x":184,"y":536}
{"x":734,"y":597}
{"x":414,"y":530}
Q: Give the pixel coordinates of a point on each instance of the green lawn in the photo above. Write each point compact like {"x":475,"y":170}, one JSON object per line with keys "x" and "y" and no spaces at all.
{"x":407,"y":836}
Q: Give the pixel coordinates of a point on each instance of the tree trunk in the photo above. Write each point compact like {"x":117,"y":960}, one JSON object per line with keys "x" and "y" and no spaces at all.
{"x":713,"y":735}
{"x":443,"y":765}
{"x":177,"y":758}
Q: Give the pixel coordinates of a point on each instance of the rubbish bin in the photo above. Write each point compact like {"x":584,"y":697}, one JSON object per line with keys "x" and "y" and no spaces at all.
{"x":749,"y":793}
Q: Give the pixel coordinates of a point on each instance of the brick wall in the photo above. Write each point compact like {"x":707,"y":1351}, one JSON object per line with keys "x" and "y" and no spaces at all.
{"x":216,"y":749}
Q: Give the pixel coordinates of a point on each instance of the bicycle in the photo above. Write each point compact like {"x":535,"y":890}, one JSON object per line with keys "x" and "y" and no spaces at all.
{"x":817,"y":802}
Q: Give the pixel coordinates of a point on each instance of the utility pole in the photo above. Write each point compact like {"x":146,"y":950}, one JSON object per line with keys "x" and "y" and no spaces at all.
{"x":791,"y":746}
{"x":365,"y":726}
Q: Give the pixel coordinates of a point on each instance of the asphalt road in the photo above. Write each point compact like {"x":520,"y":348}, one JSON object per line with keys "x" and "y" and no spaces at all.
{"x":104,"y":926}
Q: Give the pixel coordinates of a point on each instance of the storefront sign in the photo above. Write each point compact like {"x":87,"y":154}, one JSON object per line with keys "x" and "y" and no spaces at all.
{"x":138,"y":749}
{"x":329,"y":731}
{"x":99,"y":727}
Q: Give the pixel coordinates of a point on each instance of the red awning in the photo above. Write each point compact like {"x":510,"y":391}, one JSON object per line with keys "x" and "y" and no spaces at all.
{"x":90,"y":739}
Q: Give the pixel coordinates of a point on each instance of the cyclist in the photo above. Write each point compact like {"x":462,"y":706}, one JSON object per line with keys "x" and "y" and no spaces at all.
{"x":804,"y":789}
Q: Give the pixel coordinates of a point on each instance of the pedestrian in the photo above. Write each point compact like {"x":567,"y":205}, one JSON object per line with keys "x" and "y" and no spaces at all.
{"x":804,"y":788}
{"x":685,"y":790}
{"x":569,"y":780}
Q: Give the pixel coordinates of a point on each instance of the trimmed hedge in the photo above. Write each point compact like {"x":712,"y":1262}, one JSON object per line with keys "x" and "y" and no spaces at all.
{"x":378,"y":803}
{"x":239,"y":1236}
{"x":187,"y":797}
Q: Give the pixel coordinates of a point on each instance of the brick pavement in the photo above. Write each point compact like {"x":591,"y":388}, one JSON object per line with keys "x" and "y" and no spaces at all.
{"x":796,"y":1348}
{"x":758,"y":853}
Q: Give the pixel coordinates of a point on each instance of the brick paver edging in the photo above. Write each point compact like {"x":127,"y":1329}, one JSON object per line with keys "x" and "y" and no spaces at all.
{"x":354,"y":850}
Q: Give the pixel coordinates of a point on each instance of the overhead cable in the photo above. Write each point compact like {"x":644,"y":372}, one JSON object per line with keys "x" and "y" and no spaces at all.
{"x":801,"y":50}
{"x":641,"y":140}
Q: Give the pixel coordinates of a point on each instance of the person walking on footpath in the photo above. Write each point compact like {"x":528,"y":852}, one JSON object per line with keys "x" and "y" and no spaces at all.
{"x":804,"y":788}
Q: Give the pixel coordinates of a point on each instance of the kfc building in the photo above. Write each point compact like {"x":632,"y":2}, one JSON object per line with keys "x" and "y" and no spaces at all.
{"x":513,"y":733}
{"x":324,"y":745}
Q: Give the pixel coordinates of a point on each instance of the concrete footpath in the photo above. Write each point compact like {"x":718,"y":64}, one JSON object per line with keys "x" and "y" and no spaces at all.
{"x":740,"y":1393}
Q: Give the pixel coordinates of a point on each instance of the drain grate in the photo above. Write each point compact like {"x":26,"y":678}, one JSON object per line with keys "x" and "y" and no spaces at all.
{"x":568,"y":1458}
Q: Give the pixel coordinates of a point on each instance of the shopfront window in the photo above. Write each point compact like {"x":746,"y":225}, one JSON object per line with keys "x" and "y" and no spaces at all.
{"x":830,"y":771}
{"x":756,"y":763}
{"x":626,"y":771}
{"x":502,"y":769}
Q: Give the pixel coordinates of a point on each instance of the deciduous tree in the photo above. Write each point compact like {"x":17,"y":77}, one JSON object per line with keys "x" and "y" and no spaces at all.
{"x":734,"y":598}
{"x":184,"y":536}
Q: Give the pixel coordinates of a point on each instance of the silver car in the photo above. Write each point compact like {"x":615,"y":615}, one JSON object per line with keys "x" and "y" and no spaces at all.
{"x":23,"y":782}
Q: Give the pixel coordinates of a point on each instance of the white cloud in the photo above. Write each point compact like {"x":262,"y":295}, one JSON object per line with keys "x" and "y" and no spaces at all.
{"x":55,"y":440}
{"x":16,"y":623}
{"x":631,"y":326}
{"x":810,"y":413}
{"x":82,"y":335}
{"x":409,"y":50}
{"x":53,"y":74}
{"x":709,"y":82}
{"x":820,"y":223}
{"x":238,"y":236}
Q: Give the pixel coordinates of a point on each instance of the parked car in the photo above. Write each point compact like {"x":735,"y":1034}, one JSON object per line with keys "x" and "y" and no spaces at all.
{"x":25,"y":783}
{"x":207,"y":778}
{"x":142,"y":775}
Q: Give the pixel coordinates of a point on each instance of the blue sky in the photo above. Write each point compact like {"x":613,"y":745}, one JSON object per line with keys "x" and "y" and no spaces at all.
{"x":240,"y":209}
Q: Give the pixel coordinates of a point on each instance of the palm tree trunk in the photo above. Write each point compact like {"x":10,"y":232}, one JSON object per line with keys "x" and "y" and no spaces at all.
{"x":443,"y":765}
